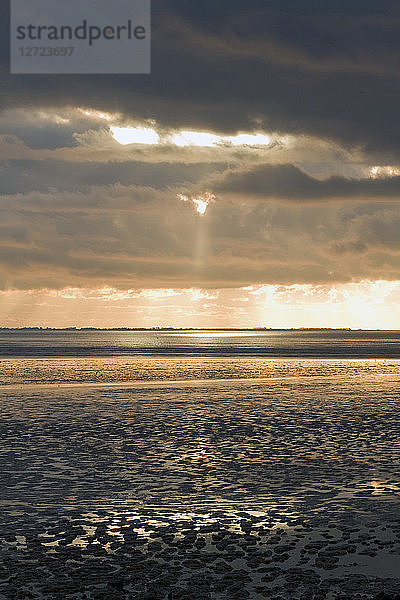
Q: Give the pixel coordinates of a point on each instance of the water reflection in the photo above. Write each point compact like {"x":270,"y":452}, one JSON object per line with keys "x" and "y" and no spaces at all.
{"x":25,"y":371}
{"x":286,"y":487}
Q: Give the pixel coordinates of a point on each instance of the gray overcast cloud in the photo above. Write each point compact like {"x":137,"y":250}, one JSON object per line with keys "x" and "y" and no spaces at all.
{"x":316,"y":203}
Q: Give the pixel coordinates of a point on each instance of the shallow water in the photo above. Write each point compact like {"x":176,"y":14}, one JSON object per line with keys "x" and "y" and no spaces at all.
{"x":281,"y":485}
{"x":274,"y":343}
{"x":101,"y":370}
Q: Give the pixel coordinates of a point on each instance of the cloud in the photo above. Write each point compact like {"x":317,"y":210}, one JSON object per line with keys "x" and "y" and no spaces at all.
{"x":290,"y":182}
{"x":366,"y":304}
{"x":22,"y":175}
{"x":80,"y":210}
{"x":319,"y":70}
{"x":132,"y":237}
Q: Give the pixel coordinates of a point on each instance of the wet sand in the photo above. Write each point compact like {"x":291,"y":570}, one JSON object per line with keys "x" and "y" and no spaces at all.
{"x":286,"y":489}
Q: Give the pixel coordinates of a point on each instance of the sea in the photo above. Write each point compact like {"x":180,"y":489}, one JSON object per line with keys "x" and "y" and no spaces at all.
{"x":199,"y":464}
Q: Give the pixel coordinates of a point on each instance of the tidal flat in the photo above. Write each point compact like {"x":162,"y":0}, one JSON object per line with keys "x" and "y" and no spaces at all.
{"x":285,"y":488}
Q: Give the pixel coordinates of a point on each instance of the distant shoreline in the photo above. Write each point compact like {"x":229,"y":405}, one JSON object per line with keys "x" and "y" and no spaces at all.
{"x":157,"y":329}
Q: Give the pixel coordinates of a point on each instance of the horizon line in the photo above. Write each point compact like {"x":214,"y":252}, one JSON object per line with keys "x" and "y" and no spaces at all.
{"x":167,"y":328}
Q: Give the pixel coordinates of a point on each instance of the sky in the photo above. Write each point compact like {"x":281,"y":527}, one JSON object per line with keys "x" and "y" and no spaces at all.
{"x":252,"y":179}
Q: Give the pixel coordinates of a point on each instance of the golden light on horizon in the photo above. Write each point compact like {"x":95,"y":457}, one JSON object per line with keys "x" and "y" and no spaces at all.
{"x":364,"y":305}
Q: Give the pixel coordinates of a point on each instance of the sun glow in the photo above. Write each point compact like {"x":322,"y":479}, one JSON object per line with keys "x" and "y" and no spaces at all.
{"x":194,"y":138}
{"x":218,"y":334}
{"x":248,"y":139}
{"x":134,"y":135}
{"x":201,"y":202}
{"x":366,"y":305}
{"x":381,"y":171}
{"x":201,"y":139}
{"x":96,"y":114}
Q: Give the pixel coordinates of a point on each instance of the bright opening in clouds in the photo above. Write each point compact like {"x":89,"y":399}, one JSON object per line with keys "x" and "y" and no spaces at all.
{"x":134,"y":135}
{"x":201,"y":139}
{"x":201,"y":202}
{"x":384,"y":171}
{"x":194,"y":138}
{"x":248,"y":139}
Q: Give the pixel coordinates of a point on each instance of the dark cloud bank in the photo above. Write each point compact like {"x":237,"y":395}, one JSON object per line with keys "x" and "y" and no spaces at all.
{"x":322,"y":68}
{"x":291,"y":183}
{"x":326,"y":70}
